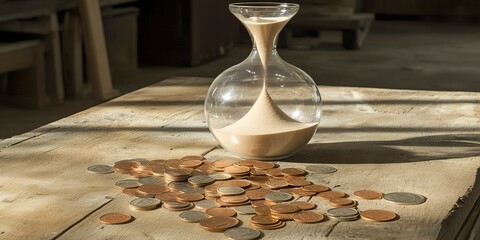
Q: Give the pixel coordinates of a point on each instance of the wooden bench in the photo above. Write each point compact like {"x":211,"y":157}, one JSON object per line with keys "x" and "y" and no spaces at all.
{"x":24,"y":63}
{"x":354,"y":27}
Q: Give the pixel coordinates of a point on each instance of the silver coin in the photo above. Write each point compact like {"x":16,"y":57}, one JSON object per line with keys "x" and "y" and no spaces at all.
{"x":127,"y":183}
{"x":202,"y":180}
{"x":342,"y":212}
{"x":150,"y":180}
{"x":226,"y":191}
{"x":192,"y":216}
{"x":100,"y":169}
{"x":145,"y":203}
{"x":177,"y":185}
{"x":242,"y":233}
{"x":206,"y":204}
{"x":404,"y":198}
{"x":189,"y":189}
{"x":220,"y":176}
{"x":278,"y":197}
{"x":323,"y":169}
{"x":344,"y":219}
{"x":245,"y":210}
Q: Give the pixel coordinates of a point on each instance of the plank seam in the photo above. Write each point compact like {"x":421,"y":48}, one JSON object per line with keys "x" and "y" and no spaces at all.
{"x":83,"y":218}
{"x":209,"y":151}
{"x":330,"y":229}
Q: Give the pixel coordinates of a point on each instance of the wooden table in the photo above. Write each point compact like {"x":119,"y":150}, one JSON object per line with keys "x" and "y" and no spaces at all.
{"x":389,"y":140}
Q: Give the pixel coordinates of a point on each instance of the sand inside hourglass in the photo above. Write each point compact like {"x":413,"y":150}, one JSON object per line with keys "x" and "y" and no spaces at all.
{"x":265,"y":131}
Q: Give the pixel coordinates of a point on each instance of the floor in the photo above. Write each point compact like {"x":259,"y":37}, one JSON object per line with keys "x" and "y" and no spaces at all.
{"x":402,"y":55}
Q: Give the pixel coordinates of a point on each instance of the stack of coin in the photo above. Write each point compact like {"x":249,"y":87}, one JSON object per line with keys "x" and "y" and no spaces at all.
{"x":230,"y":201}
{"x":206,"y":204}
{"x":238,"y":171}
{"x":220,"y":176}
{"x":283,"y":211}
{"x":177,"y":206}
{"x":266,"y":222}
{"x":404,"y":198}
{"x":220,"y":211}
{"x":125,"y":166}
{"x":219,"y":223}
{"x":190,"y":197}
{"x":219,"y":166}
{"x":308,"y":217}
{"x":144,"y":204}
{"x":245,"y":210}
{"x":177,"y":175}
{"x":211,"y":191}
{"x":201,"y":180}
{"x":193,"y":163}
{"x":343,"y":214}
{"x":276,"y":184}
{"x":277,"y":197}
{"x":274,"y":173}
{"x":342,"y":203}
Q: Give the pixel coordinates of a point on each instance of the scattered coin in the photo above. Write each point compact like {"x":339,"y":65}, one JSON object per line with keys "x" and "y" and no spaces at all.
{"x":368,"y":194}
{"x":304,"y":205}
{"x":190,"y":163}
{"x":378,"y":215}
{"x":274,"y":184}
{"x":153,"y":189}
{"x":242,"y":233}
{"x":293,"y":171}
{"x":100,"y":169}
{"x":338,"y":202}
{"x":316,"y":188}
{"x":230,"y":190}
{"x":404,"y":198}
{"x":192,"y":216}
{"x":284,"y":208}
{"x":127,"y":183}
{"x":234,"y":199}
{"x":298,"y":182}
{"x":263,"y":219}
{"x":218,"y":211}
{"x":343,"y":214}
{"x":308,"y":217}
{"x":245,"y":210}
{"x":206,"y":204}
{"x":193,"y":157}
{"x":189,"y":197}
{"x":151,"y":180}
{"x":115,"y":218}
{"x":331,"y":195}
{"x":201,"y":180}
{"x":218,"y":224}
{"x":177,"y":206}
{"x":144,"y":204}
{"x":220,"y":176}
{"x":278,"y":197}
{"x":323,"y":169}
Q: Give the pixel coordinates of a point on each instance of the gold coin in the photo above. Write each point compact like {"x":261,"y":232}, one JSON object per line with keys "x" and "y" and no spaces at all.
{"x":115,"y":218}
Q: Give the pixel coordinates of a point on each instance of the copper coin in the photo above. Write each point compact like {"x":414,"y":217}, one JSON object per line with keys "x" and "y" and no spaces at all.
{"x":331,"y":195}
{"x":236,"y":169}
{"x":278,"y":225}
{"x":178,"y":172}
{"x":130,"y":191}
{"x":236,"y":183}
{"x":316,"y":188}
{"x":258,"y":203}
{"x":248,"y":162}
{"x":288,"y":178}
{"x":153,"y":189}
{"x":307,"y":217}
{"x":190,"y":197}
{"x":263,"y":219}
{"x":234,"y":199}
{"x":283,"y":216}
{"x":168,"y":196}
{"x":298,"y":182}
{"x":277,"y":184}
{"x":293,"y":171}
{"x":221,"y":164}
{"x":378,"y":215}
{"x":337,"y":202}
{"x":274,"y":172}
{"x":301,"y":192}
{"x":257,"y":194}
{"x":262,"y":210}
{"x":263,"y":165}
{"x":218,"y":224}
{"x":115,"y":218}
{"x":218,"y":211}
{"x":193,"y":157}
{"x":304,"y":205}
{"x":284,"y":208}
{"x":368,"y":194}
{"x":190,"y":163}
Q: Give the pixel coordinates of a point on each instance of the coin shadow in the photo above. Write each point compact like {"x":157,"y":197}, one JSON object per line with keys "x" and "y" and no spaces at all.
{"x":426,"y":148}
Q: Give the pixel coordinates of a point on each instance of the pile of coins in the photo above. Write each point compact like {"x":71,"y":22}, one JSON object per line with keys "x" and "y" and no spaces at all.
{"x":222,"y":189}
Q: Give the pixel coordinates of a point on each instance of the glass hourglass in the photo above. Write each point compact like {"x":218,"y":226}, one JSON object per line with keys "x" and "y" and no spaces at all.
{"x":263,"y":108}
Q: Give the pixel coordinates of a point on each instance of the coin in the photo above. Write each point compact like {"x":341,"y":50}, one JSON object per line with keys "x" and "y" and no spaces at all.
{"x":220,"y":176}
{"x":153,"y":189}
{"x":237,"y":170}
{"x":368,"y":194}
{"x":190,"y":163}
{"x":298,"y":182}
{"x":234,"y":199}
{"x":218,"y":211}
{"x":100,"y":169}
{"x":193,"y":157}
{"x":316,"y":188}
{"x":284,"y":208}
{"x":263,"y":219}
{"x":205,"y":204}
{"x":257,"y":194}
{"x":115,"y":218}
{"x":201,"y":180}
{"x":190,"y":197}
{"x":262,"y":210}
{"x":279,"y":224}
{"x":168,"y":196}
{"x":278,"y":197}
{"x":378,"y":215}
{"x":304,"y":205}
{"x":144,"y":203}
{"x":323,"y":169}
{"x":218,"y":224}
{"x":127,"y":183}
{"x":337,"y":202}
{"x":283,"y":216}
{"x":230,"y":190}
{"x":245,"y":210}
{"x":237,"y":183}
{"x":274,"y":184}
{"x":221,"y":164}
{"x":192,"y":216}
{"x":242,"y":233}
{"x":301,"y":192}
{"x":342,"y":212}
{"x":130,"y":191}
{"x":293,"y":171}
{"x":308,"y":217}
{"x":150,"y":180}
{"x":274,"y":172}
{"x":330,"y":195}
{"x":404,"y":198}
{"x":263,"y":165}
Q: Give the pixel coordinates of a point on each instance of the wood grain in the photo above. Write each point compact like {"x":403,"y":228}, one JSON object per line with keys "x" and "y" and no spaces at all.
{"x":386,"y":140}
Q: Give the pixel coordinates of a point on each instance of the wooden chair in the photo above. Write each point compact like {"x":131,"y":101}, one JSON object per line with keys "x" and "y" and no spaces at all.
{"x":24,"y":63}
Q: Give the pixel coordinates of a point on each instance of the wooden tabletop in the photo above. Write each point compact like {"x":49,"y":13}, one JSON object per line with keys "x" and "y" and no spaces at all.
{"x":389,"y":140}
